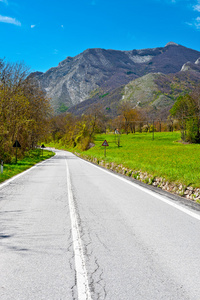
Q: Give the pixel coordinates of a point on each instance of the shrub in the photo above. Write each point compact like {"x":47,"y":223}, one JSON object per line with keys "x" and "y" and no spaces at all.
{"x":145,"y":128}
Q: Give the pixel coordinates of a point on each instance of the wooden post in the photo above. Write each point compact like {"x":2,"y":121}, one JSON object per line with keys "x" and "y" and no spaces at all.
{"x":153,"y":131}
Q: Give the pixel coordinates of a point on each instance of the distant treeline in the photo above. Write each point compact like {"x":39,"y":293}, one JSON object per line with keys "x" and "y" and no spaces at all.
{"x":74,"y":131}
{"x":26,"y":116}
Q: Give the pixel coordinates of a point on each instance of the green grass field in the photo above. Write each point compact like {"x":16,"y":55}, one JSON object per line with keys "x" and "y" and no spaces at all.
{"x":32,"y":157}
{"x":165,"y":156}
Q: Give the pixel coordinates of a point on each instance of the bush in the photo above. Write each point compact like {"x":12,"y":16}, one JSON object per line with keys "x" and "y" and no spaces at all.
{"x":152,"y":128}
{"x":84,"y":144}
{"x":192,"y":128}
{"x":145,"y":128}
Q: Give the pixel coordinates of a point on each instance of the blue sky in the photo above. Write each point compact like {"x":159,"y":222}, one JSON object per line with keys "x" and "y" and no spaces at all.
{"x":42,"y":33}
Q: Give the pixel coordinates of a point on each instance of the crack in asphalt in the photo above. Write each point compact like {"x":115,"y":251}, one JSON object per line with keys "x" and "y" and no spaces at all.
{"x":81,"y":274}
{"x":96,"y":282}
{"x":70,"y":249}
{"x":95,"y":273}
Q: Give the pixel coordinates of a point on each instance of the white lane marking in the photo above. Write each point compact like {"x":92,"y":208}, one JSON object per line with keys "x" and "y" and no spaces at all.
{"x":81,"y":272}
{"x":23,"y":173}
{"x":154,"y":194}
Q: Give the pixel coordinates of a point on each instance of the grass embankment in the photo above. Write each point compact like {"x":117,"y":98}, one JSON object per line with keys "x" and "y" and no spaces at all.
{"x":163,"y":157}
{"x":31,"y":158}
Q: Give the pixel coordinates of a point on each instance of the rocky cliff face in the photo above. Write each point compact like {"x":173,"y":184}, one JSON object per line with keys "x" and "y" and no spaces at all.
{"x":100,"y":71}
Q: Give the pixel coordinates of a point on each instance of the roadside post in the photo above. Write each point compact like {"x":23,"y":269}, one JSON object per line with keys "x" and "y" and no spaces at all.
{"x":153,"y":131}
{"x":117,"y":133}
{"x":1,"y":166}
{"x":42,"y":147}
{"x":16,"y":145}
{"x":118,"y":140}
{"x":105,"y":144}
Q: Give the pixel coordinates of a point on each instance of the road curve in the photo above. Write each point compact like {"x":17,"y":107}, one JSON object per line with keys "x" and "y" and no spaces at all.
{"x":72,"y":230}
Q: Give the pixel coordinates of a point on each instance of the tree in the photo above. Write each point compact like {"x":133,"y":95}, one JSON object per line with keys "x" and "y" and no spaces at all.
{"x":24,"y":110}
{"x":130,"y":116}
{"x":187,"y":110}
{"x":95,"y":119}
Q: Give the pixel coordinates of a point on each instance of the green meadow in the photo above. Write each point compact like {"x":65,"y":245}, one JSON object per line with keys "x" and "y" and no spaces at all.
{"x":31,"y":158}
{"x":165,"y":156}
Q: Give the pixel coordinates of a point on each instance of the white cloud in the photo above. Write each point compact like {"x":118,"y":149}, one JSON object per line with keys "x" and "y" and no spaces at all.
{"x":5,"y":19}
{"x":189,"y":23}
{"x":167,"y":1}
{"x":4,"y":1}
{"x":197,"y":7}
{"x":32,"y":26}
{"x":62,"y":26}
{"x":197,"y":22}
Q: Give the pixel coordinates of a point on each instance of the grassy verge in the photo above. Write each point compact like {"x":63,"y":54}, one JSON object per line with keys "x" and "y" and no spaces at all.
{"x":31,"y":158}
{"x":164,"y":156}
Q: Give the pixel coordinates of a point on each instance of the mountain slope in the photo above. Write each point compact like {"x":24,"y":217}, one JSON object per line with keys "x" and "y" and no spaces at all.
{"x":100,"y":71}
{"x":156,"y":92}
{"x":159,"y":91}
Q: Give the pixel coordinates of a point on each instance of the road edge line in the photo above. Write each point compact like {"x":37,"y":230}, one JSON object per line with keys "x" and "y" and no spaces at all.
{"x":152,"y":193}
{"x":8,"y":181}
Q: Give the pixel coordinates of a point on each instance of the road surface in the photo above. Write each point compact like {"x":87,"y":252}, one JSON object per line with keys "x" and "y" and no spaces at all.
{"x":72,"y":230}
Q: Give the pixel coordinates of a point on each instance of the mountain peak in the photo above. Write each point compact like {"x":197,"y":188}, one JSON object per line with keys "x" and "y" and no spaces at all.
{"x":96,"y":72}
{"x":171,"y":44}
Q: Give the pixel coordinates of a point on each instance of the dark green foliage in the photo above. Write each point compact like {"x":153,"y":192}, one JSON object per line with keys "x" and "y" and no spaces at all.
{"x":63,"y":108}
{"x":102,"y":96}
{"x":186,"y":109}
{"x":192,"y":129}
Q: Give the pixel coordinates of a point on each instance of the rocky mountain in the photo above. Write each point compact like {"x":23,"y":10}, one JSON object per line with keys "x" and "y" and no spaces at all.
{"x":156,"y":92}
{"x":99,"y":75}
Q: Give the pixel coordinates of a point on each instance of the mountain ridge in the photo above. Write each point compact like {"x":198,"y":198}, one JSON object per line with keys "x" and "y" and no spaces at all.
{"x":100,"y":71}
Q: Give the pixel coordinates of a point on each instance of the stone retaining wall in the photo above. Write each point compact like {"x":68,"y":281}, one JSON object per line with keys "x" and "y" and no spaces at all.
{"x":179,"y":189}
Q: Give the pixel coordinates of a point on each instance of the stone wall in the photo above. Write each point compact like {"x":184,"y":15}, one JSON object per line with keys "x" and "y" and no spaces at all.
{"x":179,"y":189}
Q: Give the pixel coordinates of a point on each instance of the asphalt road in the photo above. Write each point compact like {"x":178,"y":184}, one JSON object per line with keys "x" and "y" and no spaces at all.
{"x":71,"y":230}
